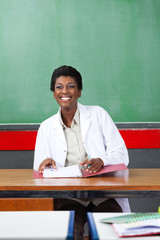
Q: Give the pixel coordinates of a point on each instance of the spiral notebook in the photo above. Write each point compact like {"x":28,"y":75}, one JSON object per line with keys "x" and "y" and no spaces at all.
{"x":133,"y":217}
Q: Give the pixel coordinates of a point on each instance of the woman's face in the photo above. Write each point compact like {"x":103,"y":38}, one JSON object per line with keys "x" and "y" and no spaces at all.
{"x":66,"y":92}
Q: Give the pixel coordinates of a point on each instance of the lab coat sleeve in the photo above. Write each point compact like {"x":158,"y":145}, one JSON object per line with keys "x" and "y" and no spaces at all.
{"x":116,"y":151}
{"x":41,"y":151}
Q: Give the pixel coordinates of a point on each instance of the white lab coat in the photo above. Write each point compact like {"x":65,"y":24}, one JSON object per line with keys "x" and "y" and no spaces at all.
{"x":100,"y":136}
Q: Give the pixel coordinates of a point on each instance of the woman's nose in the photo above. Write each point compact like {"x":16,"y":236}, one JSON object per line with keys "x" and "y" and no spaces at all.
{"x":64,"y":90}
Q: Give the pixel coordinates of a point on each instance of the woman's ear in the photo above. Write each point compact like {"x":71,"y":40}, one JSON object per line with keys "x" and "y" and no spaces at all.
{"x":79,"y":93}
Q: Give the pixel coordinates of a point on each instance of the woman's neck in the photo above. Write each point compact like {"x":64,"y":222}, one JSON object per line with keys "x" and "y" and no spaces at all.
{"x":67,"y":116}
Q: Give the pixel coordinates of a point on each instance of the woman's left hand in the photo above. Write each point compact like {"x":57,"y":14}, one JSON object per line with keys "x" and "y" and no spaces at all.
{"x":93,"y":164}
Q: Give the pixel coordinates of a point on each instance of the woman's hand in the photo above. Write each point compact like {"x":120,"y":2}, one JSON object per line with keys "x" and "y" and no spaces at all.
{"x":93,"y":164}
{"x":47,"y":162}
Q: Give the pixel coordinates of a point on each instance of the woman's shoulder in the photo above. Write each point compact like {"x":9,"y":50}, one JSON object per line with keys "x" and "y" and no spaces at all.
{"x":92,"y":108}
{"x":49,"y":121}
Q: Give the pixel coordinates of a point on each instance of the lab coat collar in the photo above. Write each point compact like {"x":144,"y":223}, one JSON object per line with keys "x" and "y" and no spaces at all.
{"x":84,"y":112}
{"x":84,"y":120}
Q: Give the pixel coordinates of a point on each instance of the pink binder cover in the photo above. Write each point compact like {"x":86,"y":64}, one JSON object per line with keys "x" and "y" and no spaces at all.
{"x":105,"y":169}
{"x":135,"y":235}
{"x":37,"y":175}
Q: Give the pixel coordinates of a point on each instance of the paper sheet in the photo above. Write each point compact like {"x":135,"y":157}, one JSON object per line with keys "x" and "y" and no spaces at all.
{"x":138,"y":228}
{"x":70,"y":171}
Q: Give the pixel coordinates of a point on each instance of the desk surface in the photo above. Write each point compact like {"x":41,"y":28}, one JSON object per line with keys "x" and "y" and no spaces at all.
{"x":127,"y":181}
{"x":105,"y":231}
{"x":133,"y":179}
{"x":37,"y":225}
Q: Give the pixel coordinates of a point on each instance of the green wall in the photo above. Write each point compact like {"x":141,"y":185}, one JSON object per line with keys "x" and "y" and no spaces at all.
{"x":115,"y":44}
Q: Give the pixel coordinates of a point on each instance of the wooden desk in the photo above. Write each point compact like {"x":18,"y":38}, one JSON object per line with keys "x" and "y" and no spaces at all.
{"x":128,"y":183}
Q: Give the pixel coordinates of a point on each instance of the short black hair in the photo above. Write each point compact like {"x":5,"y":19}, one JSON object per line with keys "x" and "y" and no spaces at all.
{"x":66,"y":71}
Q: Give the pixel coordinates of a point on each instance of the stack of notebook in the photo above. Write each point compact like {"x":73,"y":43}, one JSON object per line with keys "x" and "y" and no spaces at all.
{"x":136,"y":224}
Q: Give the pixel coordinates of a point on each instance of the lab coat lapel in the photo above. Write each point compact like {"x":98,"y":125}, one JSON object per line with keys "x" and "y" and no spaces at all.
{"x":84,"y":120}
{"x":59,"y":130}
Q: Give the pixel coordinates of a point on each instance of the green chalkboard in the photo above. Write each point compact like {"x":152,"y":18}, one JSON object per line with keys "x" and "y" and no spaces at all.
{"x":115,"y":44}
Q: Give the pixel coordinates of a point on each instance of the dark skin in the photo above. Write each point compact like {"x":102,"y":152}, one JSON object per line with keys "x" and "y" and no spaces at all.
{"x":66,"y":94}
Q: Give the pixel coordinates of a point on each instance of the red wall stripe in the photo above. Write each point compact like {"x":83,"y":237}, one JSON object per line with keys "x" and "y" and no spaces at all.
{"x":17,"y":140}
{"x":134,"y":138}
{"x":141,"y":138}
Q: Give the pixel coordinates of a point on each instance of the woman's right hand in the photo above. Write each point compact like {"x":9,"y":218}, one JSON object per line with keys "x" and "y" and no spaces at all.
{"x":47,"y":162}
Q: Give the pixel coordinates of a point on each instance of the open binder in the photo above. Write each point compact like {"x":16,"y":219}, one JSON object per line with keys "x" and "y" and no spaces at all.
{"x":75,"y":171}
{"x":141,"y":228}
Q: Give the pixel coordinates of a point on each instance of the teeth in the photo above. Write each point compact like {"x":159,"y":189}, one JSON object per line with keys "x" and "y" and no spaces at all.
{"x":65,"y":98}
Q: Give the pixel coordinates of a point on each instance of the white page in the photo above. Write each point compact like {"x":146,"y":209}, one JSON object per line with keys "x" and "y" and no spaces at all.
{"x":137,"y":228}
{"x":70,"y":171}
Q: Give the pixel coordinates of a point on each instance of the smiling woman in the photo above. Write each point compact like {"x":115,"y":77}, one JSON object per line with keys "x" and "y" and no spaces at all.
{"x":71,"y":136}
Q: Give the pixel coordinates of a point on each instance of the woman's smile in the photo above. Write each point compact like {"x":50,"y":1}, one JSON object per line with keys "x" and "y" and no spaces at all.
{"x":65,"y":99}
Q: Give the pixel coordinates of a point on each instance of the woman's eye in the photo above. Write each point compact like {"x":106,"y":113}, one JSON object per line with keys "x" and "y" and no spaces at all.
{"x":71,"y":86}
{"x":58,"y":87}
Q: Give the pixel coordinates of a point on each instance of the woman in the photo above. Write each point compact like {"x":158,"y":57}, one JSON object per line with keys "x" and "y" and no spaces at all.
{"x":72,"y":135}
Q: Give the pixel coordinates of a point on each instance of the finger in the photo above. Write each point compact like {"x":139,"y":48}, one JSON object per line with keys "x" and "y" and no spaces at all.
{"x":54,"y":164}
{"x":40,"y":169}
{"x":45,"y":163}
{"x":96,"y":165}
{"x":88,"y":163}
{"x":84,"y":162}
{"x":95,"y":168}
